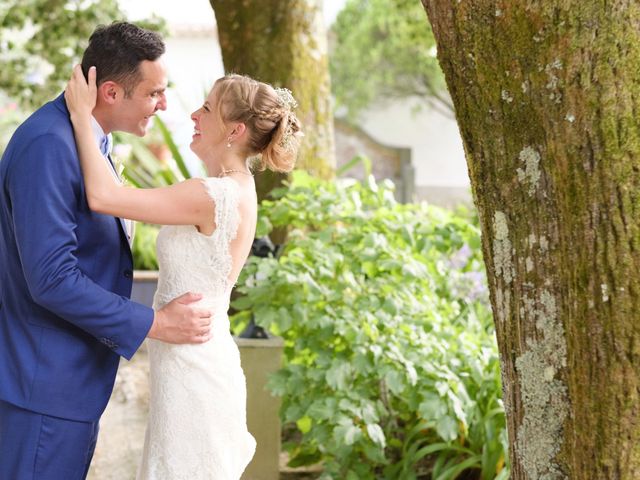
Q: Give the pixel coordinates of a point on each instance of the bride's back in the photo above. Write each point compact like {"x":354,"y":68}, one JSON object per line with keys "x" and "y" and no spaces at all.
{"x":208,"y":264}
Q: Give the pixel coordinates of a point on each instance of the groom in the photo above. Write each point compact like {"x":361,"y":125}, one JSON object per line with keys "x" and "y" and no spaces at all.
{"x":66,"y":272}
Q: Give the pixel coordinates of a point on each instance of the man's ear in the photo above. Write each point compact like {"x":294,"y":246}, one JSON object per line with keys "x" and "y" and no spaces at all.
{"x":109,"y":92}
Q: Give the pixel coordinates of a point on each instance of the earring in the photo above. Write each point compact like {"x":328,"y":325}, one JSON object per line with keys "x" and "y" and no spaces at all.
{"x":229,"y":142}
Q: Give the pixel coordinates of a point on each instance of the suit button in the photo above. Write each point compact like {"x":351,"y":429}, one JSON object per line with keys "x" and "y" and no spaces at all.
{"x":128,"y":273}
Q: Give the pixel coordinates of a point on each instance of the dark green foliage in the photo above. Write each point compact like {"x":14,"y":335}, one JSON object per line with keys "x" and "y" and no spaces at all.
{"x":144,"y":247}
{"x":391,"y":362}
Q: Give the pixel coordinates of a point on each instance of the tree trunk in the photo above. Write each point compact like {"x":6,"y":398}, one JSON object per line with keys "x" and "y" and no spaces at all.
{"x":547,"y":99}
{"x":283,"y":42}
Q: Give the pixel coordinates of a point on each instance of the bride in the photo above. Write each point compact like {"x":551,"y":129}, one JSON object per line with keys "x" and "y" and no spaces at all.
{"x":197,"y":413}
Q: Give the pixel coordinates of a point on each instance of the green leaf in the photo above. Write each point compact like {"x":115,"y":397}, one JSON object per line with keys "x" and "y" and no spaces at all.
{"x":351,"y":475}
{"x":322,"y":409}
{"x":376,"y":434}
{"x":304,"y":424}
{"x":358,"y":159}
{"x":433,"y":407}
{"x":277,"y":383}
{"x":447,"y":428}
{"x":304,"y":456}
{"x":394,"y":381}
{"x":173,"y":148}
{"x":453,"y":471}
{"x":347,"y":434}
{"x":337,"y":375}
{"x":375,"y":454}
{"x":263,"y":227}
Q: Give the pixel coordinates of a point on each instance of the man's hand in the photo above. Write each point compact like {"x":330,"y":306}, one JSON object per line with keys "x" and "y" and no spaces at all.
{"x":180,"y":322}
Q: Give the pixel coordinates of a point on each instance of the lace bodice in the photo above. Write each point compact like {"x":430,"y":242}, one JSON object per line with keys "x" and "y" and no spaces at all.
{"x":192,"y":261}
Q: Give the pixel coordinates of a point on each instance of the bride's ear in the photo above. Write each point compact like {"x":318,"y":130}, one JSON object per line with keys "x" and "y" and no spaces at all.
{"x":238,"y":130}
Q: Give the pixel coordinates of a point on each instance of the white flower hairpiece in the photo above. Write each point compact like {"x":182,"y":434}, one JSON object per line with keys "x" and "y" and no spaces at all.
{"x":286,"y":101}
{"x":285,"y":98}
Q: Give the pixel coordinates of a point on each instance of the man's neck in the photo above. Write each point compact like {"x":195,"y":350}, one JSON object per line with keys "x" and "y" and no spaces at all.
{"x":101,"y":118}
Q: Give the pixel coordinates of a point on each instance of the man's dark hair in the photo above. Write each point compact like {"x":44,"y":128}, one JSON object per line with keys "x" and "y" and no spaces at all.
{"x":117,"y":50}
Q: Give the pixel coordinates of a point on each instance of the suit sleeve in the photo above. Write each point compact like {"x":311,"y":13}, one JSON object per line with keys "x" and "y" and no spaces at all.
{"x":45,"y":189}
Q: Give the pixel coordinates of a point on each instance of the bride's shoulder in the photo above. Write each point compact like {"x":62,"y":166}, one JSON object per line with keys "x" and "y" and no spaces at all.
{"x":218,"y":183}
{"x":243,"y":190}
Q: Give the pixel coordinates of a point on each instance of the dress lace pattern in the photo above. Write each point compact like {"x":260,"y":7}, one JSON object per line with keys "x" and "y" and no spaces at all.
{"x":197,"y":412}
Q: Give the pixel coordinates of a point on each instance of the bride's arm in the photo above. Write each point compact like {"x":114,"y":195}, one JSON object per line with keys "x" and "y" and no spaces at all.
{"x":185,"y":203}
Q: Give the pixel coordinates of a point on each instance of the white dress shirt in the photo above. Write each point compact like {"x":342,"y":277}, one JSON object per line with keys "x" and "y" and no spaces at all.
{"x":100,"y":136}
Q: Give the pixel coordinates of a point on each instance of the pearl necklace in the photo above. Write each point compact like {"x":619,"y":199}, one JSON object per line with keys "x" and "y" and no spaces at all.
{"x":224,"y":172}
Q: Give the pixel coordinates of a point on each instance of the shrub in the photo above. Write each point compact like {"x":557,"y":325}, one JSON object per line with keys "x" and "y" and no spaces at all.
{"x":391,"y":364}
{"x":144,"y":247}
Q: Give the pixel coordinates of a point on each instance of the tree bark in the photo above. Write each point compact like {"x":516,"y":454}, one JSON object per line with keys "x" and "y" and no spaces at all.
{"x":283,"y":42}
{"x":547,"y":99}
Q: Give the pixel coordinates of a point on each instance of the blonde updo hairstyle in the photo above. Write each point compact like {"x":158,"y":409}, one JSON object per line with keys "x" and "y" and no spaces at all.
{"x":273,"y":129}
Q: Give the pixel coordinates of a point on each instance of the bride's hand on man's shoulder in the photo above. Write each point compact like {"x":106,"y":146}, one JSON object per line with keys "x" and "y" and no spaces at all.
{"x":81,"y":94}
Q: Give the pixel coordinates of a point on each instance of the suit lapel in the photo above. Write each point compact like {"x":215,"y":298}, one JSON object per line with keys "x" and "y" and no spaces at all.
{"x":121,"y":222}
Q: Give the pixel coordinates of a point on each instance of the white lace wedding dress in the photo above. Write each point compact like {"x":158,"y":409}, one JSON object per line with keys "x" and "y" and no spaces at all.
{"x":197,"y":412}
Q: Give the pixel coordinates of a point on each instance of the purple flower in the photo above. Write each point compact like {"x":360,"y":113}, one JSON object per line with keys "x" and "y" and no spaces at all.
{"x":461,"y":257}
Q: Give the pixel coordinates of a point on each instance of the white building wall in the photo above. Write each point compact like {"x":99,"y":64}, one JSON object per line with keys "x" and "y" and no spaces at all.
{"x":437,"y":154}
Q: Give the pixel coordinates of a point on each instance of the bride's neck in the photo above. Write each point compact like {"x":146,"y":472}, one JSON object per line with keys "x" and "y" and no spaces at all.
{"x":226,"y":164}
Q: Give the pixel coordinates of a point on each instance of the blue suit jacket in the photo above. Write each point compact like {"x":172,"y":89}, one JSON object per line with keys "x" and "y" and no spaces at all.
{"x":65,"y":278}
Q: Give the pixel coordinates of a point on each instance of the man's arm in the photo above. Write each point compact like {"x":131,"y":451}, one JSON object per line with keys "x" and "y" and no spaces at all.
{"x":44,"y":184}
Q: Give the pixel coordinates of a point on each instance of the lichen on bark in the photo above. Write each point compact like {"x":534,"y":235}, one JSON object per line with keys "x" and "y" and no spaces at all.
{"x":543,"y":393}
{"x":502,"y":254}
{"x":529,"y":173}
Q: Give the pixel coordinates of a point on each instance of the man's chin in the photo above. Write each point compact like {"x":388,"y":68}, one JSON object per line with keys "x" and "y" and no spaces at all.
{"x":143,"y":127}
{"x":141,"y":131}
